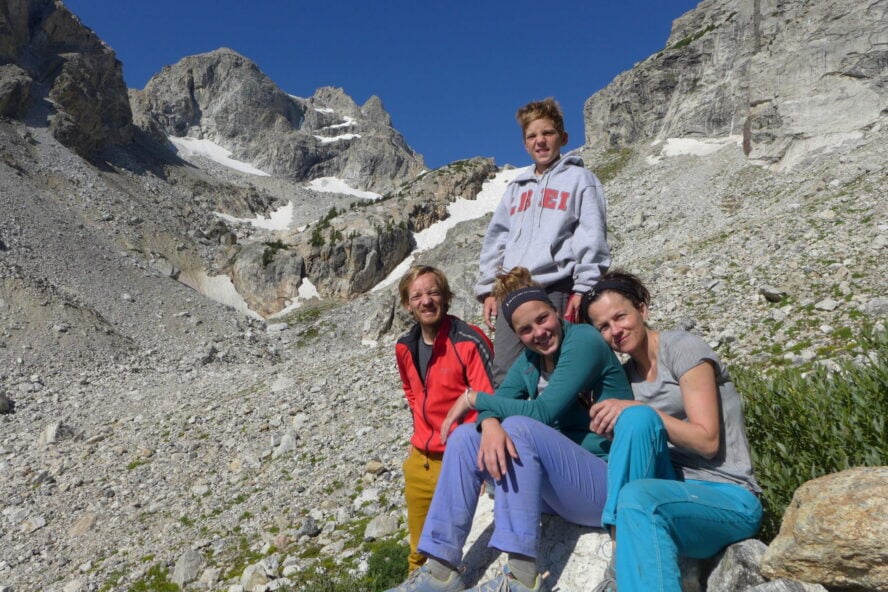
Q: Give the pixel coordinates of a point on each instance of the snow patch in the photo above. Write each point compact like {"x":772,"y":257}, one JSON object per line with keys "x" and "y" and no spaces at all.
{"x":186,"y":147}
{"x":460,"y":210}
{"x":330,"y":140}
{"x":307,"y":291}
{"x":218,"y":288}
{"x":334,"y":185}
{"x":279,"y":219}
{"x":693,"y":147}
{"x":346,"y":122}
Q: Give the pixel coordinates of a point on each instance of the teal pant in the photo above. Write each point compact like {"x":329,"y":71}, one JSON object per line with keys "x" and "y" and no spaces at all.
{"x":659,"y":517}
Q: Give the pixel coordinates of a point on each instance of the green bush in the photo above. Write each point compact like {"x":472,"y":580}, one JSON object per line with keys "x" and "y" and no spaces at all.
{"x":803,"y":426}
{"x":387,"y":567}
{"x":155,"y":580}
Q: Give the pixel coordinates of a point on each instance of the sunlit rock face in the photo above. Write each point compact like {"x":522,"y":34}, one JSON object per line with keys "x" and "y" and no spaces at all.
{"x":793,"y":79}
{"x":224,"y":97}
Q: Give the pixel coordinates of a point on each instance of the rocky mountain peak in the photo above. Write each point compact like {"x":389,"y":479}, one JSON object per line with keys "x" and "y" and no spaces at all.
{"x":54,"y":69}
{"x":374,"y":110}
{"x":224,"y":97}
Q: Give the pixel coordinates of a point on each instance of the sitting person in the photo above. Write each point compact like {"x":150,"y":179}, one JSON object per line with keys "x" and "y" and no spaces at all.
{"x":438,"y":359}
{"x":531,"y":441}
{"x":679,"y":474}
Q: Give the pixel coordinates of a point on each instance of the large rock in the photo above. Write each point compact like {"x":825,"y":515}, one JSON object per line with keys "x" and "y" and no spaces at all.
{"x":834,"y":532}
{"x":575,"y":557}
{"x":738,"y":567}
{"x":224,"y":97}
{"x":725,"y":71}
{"x":78,"y":74}
{"x":267,"y":275}
{"x":15,"y":87}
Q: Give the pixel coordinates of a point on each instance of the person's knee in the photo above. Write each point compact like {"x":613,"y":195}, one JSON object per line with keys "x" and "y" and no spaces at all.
{"x":640,"y":495}
{"x":518,"y":427}
{"x":464,"y":436}
{"x":638,"y":418}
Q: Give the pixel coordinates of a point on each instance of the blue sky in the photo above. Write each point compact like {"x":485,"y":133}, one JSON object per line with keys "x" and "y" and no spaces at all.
{"x":451,"y":74}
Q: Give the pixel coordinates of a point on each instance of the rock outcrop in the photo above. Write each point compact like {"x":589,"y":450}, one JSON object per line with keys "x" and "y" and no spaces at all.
{"x":348,"y":252}
{"x":762,"y":69}
{"x":834,"y":532}
{"x":224,"y":97}
{"x":56,"y":70}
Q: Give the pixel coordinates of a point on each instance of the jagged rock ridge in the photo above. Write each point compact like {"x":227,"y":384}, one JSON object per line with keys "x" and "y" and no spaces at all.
{"x":224,"y":97}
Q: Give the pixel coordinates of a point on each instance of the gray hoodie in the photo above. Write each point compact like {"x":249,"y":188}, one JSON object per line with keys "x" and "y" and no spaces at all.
{"x":553,"y":225}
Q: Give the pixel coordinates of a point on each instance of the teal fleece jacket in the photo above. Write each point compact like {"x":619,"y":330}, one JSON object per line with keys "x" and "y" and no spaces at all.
{"x":584,"y":363}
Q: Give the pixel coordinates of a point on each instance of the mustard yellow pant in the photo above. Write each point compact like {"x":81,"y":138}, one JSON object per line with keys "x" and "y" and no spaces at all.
{"x":420,"y":477}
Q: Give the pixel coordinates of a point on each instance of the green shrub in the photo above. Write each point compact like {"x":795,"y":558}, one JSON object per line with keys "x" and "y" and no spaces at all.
{"x":803,"y":426}
{"x":155,"y":580}
{"x":387,"y":567}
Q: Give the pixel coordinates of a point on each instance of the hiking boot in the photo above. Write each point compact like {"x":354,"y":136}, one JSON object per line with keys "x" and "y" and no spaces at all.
{"x":422,"y":580}
{"x":506,"y":582}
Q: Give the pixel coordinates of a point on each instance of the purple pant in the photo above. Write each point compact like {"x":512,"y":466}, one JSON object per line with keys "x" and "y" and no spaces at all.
{"x":552,"y":475}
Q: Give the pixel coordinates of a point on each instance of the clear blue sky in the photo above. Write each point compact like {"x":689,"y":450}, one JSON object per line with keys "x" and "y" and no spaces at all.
{"x":451,"y":73}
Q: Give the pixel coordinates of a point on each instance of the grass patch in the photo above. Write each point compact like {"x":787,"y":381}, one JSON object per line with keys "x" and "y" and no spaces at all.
{"x":244,"y":556}
{"x":691,"y":38}
{"x":803,"y":425}
{"x":615,"y":161}
{"x":155,"y":580}
{"x":387,"y":567}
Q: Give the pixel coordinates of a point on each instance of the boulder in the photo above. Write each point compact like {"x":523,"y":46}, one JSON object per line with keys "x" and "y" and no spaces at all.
{"x":834,"y":532}
{"x":574,"y":556}
{"x":188,"y":567}
{"x":267,"y":275}
{"x":738,"y":567}
{"x":15,"y":86}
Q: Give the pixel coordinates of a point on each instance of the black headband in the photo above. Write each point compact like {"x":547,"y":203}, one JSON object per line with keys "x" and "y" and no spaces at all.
{"x":615,"y":285}
{"x":519,"y":297}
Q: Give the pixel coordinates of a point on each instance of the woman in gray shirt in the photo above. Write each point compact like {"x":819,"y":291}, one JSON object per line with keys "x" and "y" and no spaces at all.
{"x":680,"y":477}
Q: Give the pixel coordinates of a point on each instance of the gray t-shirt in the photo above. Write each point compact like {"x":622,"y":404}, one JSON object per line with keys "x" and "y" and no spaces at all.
{"x":679,"y":352}
{"x":425,"y":354}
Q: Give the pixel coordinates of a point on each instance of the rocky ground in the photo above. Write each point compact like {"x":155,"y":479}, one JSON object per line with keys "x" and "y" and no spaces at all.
{"x":150,"y":426}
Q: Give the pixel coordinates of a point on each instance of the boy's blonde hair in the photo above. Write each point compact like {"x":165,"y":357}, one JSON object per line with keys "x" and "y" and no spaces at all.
{"x":547,"y":108}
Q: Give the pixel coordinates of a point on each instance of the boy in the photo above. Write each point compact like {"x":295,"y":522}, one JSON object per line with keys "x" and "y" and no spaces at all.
{"x":550,"y":220}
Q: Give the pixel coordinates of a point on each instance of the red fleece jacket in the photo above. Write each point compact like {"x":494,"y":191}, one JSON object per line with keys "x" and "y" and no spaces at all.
{"x":461,"y":358}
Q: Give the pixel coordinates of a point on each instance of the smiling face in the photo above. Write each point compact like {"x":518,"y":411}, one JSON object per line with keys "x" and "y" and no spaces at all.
{"x":543,"y":142}
{"x":537,"y":326}
{"x":426,"y":301}
{"x":619,"y":322}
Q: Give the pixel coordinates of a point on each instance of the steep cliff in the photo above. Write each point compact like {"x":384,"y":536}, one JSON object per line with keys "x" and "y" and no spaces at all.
{"x":794,"y":79}
{"x":55,"y":70}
